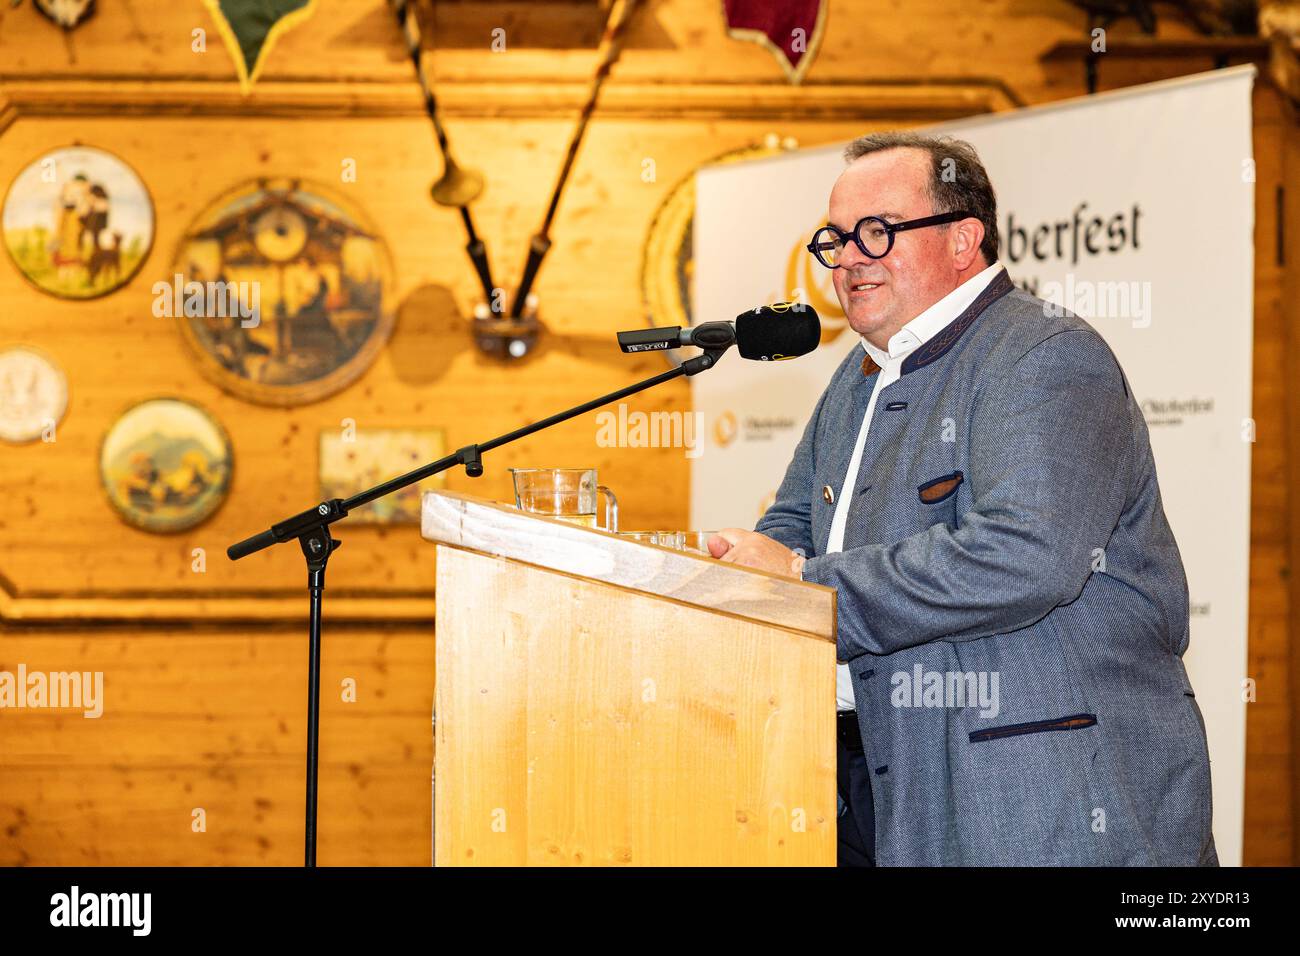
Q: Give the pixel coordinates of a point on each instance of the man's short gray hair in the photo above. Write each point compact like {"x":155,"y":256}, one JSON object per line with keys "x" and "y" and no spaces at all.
{"x":958,"y":179}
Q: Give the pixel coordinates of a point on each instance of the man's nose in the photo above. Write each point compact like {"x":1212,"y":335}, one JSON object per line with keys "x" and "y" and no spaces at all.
{"x":851,"y":255}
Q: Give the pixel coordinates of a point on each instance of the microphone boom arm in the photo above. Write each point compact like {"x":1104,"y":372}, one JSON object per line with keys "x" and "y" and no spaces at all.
{"x":335,"y":509}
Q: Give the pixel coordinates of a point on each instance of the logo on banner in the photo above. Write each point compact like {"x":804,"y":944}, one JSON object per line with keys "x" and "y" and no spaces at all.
{"x":725,"y":428}
{"x":1174,"y":411}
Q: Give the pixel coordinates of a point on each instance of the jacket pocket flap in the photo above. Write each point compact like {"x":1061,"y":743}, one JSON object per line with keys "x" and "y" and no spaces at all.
{"x":940,"y":488}
{"x":1074,"y":722}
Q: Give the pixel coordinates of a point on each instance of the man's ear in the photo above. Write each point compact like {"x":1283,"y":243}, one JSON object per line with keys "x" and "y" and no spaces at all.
{"x":965,"y":237}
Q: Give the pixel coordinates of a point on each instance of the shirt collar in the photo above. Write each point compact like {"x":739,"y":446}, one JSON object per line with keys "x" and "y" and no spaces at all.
{"x":922,"y":328}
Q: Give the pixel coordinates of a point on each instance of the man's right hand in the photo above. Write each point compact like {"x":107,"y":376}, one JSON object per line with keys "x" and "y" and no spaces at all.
{"x":753,"y":550}
{"x":718,"y":545}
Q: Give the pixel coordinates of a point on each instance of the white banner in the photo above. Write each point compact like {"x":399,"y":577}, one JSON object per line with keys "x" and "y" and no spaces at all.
{"x":1134,"y":209}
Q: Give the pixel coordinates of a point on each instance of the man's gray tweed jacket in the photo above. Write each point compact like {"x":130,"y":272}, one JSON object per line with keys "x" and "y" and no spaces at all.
{"x":1007,"y":527}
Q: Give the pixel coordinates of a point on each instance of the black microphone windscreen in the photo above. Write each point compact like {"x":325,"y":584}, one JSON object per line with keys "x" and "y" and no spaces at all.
{"x":771,"y":333}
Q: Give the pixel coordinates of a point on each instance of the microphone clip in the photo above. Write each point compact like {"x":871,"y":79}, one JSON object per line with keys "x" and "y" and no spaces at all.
{"x":701,"y":363}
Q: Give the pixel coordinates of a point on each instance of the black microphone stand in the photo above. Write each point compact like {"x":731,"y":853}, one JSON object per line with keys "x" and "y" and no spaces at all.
{"x":311,"y":529}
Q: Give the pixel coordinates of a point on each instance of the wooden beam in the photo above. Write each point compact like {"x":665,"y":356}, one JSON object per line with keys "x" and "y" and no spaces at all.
{"x":928,"y":99}
{"x":1287,"y":234}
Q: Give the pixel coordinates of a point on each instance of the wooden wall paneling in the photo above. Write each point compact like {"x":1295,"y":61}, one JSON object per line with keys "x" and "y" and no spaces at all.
{"x":1283,"y":766}
{"x":216,"y":719}
{"x":1268,"y":798}
{"x":353,"y":41}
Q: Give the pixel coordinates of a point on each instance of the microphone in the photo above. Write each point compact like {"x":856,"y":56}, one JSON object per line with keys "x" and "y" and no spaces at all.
{"x":769,"y":333}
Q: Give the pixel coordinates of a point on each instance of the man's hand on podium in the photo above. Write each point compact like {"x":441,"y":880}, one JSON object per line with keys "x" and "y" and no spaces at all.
{"x":753,"y":550}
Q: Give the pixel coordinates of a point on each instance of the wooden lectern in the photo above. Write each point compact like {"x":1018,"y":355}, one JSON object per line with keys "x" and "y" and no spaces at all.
{"x":605,"y":702}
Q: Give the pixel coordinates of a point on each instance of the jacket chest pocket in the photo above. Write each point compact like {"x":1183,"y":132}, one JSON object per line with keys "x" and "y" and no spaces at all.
{"x":940,"y":489}
{"x":937,"y":499}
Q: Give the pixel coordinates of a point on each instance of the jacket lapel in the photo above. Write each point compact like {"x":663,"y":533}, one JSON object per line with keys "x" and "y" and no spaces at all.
{"x":935,"y":348}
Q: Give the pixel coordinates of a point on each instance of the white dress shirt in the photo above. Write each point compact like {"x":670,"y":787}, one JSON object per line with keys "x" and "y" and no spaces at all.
{"x":901,"y":344}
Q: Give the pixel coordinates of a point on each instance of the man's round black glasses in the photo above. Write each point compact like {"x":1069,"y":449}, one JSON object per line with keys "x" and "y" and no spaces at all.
{"x":873,"y":235}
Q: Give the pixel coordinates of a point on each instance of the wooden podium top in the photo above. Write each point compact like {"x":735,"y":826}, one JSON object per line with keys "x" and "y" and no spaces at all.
{"x":463,"y":521}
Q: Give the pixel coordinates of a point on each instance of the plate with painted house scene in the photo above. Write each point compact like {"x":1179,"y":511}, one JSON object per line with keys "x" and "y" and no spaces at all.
{"x":281,"y":288}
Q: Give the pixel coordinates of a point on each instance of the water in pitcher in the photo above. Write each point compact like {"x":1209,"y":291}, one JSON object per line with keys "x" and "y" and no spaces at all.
{"x":582,"y":521}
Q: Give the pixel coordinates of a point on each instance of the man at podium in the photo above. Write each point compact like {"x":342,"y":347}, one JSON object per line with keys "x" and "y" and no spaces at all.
{"x":977,"y":485}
